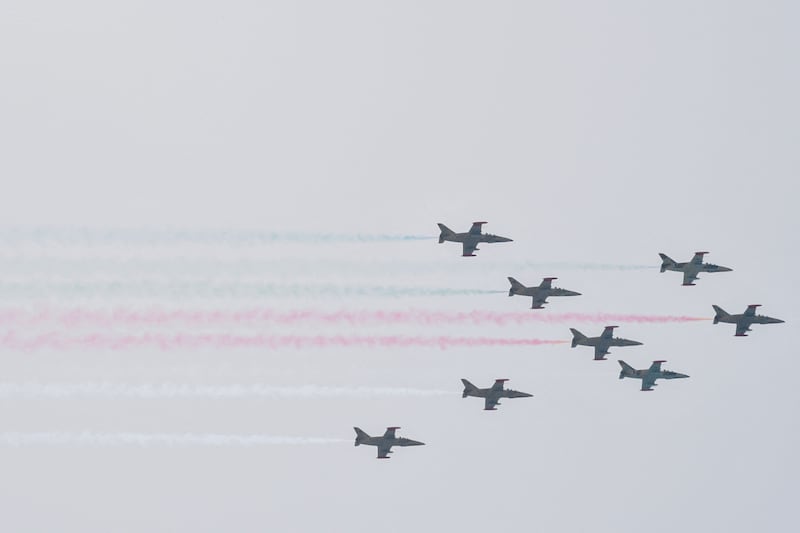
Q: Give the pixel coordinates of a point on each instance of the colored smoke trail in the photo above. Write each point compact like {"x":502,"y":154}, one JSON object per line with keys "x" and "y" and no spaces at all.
{"x":78,"y":317}
{"x":53,"y":341}
{"x":160,"y":237}
{"x":178,"y":390}
{"x":89,"y":438}
{"x":153,"y":289}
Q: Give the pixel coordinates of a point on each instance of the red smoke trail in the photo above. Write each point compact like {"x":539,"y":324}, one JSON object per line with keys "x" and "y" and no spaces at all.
{"x":77,"y":317}
{"x":54,"y":341}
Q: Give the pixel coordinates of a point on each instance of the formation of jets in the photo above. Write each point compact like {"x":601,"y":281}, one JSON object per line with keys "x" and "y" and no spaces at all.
{"x":601,"y":343}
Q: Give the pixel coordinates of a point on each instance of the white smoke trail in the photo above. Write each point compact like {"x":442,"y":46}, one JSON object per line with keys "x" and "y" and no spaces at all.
{"x":76,"y":236}
{"x":178,"y":390}
{"x":210,"y":289}
{"x":184,"y":266}
{"x":89,"y":438}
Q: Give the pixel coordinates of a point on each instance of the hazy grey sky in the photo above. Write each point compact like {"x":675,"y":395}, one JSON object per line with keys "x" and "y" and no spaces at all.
{"x":589,"y":132}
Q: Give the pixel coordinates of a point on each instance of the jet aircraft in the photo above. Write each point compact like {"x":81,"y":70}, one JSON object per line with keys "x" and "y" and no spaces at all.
{"x":493,"y":394}
{"x":539,"y":293}
{"x":384,"y":442}
{"x":602,"y":343}
{"x":469,"y":239}
{"x":691,"y":268}
{"x":648,"y":375}
{"x":745,"y":320}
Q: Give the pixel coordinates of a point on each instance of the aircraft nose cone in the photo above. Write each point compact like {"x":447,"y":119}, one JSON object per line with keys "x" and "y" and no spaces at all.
{"x":679,"y":375}
{"x":725,"y":269}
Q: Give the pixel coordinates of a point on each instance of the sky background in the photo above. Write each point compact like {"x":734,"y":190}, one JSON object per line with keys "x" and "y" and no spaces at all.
{"x":595,"y":134}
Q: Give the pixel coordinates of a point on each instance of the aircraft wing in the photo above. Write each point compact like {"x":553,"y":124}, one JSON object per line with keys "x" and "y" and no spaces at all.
{"x":742,"y":329}
{"x":490,"y":402}
{"x":698,"y":258}
{"x":498,"y":384}
{"x":608,"y":332}
{"x":538,"y":301}
{"x":383,"y":450}
{"x":751,"y":310}
{"x":476,"y":228}
{"x":469,"y":248}
{"x":547,"y":283}
{"x":656,"y":366}
{"x":689,"y":277}
{"x":600,"y":352}
{"x":390,"y":433}
{"x":647,"y":383}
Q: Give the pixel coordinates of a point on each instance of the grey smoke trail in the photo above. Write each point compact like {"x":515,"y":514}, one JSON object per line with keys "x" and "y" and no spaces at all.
{"x":89,"y":438}
{"x":179,"y":390}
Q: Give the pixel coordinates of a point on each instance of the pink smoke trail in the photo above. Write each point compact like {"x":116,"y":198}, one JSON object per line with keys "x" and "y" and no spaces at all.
{"x":55,"y":341}
{"x":77,"y":317}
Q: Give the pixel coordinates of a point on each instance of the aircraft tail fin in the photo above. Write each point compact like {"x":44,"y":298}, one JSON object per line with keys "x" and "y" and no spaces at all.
{"x":627,"y":370}
{"x":666,"y":261}
{"x":445,"y":232}
{"x":468,"y":387}
{"x":576,"y":336}
{"x":719,"y":313}
{"x":515,"y":286}
{"x":361,"y":436}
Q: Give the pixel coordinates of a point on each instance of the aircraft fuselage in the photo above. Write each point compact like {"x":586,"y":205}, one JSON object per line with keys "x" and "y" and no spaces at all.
{"x":695,"y":268}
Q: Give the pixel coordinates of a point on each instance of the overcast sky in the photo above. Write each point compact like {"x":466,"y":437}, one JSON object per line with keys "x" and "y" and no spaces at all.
{"x":595,"y":134}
